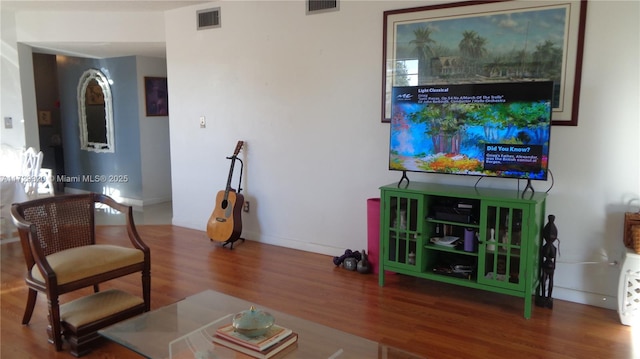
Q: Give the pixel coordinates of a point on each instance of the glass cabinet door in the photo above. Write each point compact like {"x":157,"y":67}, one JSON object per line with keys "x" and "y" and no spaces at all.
{"x":501,"y":251}
{"x":405,"y":214}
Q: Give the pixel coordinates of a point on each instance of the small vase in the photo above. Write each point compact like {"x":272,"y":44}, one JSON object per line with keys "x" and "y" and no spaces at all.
{"x":491,"y":245}
{"x":403,"y":220}
{"x":412,"y":258}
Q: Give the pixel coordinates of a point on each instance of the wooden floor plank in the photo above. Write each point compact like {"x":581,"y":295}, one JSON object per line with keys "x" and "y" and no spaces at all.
{"x":435,"y":320}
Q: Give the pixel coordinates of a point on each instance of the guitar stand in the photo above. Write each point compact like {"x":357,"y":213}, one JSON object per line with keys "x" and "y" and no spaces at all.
{"x":224,"y":244}
{"x":233,"y":240}
{"x":241,"y":169}
{"x":224,"y":204}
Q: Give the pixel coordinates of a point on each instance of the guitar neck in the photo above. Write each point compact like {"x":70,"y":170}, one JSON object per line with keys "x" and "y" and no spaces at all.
{"x":233,"y":163}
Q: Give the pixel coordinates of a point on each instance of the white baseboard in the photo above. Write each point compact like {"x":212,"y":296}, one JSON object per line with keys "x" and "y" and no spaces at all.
{"x":152,"y":201}
{"x":571,"y":295}
{"x":595,"y":299}
{"x":276,"y":241}
{"x":293,"y":244}
{"x":137,"y":204}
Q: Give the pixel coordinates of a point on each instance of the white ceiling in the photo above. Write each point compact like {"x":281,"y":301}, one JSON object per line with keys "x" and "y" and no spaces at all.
{"x":102,"y":49}
{"x":95,"y":5}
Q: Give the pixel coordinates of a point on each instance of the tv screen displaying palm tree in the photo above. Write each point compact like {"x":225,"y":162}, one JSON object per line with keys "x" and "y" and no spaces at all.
{"x":483,"y":129}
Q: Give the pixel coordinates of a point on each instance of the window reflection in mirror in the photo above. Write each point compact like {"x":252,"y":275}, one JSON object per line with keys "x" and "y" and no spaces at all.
{"x":95,"y":112}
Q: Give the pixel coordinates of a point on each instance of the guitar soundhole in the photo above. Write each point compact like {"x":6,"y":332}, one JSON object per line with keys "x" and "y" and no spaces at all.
{"x":224,"y":204}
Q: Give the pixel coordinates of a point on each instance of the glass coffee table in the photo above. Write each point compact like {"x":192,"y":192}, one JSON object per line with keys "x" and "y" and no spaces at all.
{"x":184,"y":330}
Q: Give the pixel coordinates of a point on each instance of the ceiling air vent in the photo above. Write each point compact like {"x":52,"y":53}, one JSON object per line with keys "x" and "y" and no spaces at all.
{"x":208,"y":18}
{"x":319,"y":6}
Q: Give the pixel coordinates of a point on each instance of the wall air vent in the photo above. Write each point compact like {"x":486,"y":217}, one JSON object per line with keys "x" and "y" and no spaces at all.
{"x":208,"y":18}
{"x":320,"y":6}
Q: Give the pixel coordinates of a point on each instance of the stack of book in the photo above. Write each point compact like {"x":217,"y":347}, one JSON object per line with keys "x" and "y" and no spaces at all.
{"x":275,"y":341}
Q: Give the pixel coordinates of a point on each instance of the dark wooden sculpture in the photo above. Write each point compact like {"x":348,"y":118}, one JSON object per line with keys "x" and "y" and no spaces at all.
{"x":548,"y":254}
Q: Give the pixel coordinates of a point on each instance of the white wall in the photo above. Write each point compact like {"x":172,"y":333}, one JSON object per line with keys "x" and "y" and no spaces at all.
{"x":154,"y":138}
{"x":596,"y":164}
{"x":23,"y":30}
{"x":20,"y":133}
{"x":304,"y":93}
{"x":38,"y":28}
{"x":10,"y":96}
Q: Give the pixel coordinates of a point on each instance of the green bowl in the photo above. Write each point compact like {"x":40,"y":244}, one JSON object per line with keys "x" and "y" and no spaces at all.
{"x":252,"y":322}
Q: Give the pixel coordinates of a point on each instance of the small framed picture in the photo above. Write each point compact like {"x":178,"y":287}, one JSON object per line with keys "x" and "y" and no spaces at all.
{"x":156,"y":96}
{"x":44,"y":118}
{"x":94,"y":94}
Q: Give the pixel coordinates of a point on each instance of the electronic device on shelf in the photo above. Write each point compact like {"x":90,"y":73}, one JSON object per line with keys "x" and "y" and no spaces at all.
{"x":453,"y":210}
{"x":479,"y":129}
{"x":453,"y":215}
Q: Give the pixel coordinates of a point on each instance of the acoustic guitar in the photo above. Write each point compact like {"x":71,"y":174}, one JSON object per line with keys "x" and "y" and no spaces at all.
{"x":225,"y":223}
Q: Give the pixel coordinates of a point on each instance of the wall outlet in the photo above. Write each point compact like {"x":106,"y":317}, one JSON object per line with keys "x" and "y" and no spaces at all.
{"x":203,"y":122}
{"x":246,"y":206}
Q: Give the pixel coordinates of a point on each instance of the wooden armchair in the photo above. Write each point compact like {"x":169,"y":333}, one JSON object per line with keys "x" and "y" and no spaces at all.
{"x":59,"y":245}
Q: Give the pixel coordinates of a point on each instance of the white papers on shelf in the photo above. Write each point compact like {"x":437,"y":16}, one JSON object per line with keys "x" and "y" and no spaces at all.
{"x":500,"y":277}
{"x":447,"y":241}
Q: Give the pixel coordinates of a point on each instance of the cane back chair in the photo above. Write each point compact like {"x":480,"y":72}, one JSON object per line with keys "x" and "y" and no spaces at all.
{"x":59,"y":244}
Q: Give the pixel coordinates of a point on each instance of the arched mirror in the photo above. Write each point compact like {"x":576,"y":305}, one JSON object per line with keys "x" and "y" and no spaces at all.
{"x":95,"y":111}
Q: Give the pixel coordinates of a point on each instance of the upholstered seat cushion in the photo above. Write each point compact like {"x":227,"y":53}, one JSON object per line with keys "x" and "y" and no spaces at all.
{"x":97,"y":306}
{"x":81,"y":262}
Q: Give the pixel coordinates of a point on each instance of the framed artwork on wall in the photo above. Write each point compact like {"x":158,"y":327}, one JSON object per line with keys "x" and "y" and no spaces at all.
{"x":44,"y":118}
{"x":94,"y":94}
{"x":156,"y":96}
{"x":487,"y":41}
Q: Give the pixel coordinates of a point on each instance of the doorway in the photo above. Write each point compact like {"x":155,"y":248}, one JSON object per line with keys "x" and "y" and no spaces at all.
{"x":49,"y":120}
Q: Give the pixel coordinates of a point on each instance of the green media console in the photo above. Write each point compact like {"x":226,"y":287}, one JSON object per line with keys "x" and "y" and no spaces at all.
{"x":419,"y":223}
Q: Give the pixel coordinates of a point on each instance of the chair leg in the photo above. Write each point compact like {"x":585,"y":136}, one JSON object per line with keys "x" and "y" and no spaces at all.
{"x":54,"y":322}
{"x":146,"y":289}
{"x":31,"y":303}
{"x":96,"y":288}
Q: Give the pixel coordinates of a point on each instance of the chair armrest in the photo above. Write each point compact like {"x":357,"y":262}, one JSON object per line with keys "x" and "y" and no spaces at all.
{"x":132,"y":232}
{"x":17,"y":218}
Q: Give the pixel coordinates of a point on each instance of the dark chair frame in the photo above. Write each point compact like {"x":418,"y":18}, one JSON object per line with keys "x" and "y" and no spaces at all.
{"x":77,"y":213}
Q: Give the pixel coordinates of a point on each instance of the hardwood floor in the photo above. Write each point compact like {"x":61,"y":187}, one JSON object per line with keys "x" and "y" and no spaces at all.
{"x":431,"y":319}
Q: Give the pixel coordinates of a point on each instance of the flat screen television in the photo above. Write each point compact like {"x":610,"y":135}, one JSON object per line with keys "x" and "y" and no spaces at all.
{"x":479,"y":129}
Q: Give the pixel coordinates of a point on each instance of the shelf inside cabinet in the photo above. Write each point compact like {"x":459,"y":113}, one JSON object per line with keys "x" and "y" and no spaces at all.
{"x":458,"y":224}
{"x":411,"y":237}
{"x":451,"y":264}
{"x":436,"y":247}
{"x":515,"y":252}
{"x":454,"y":277}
